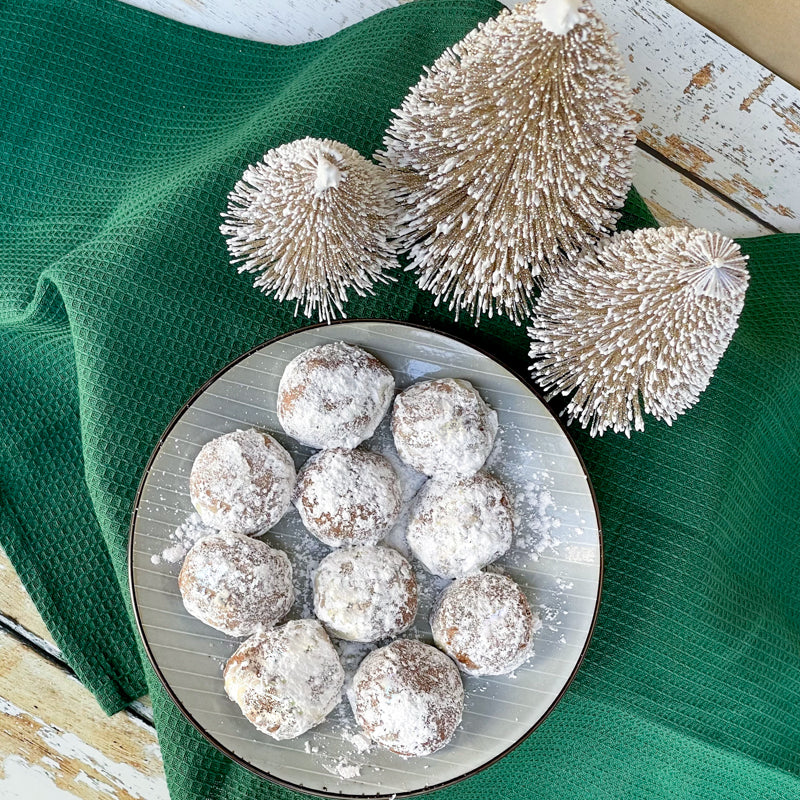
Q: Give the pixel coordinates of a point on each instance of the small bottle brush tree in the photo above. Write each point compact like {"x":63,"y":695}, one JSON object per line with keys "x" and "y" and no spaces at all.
{"x":640,"y":323}
{"x":313,"y":218}
{"x":514,"y":150}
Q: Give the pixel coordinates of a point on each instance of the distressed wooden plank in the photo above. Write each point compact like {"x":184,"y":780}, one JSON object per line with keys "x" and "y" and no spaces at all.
{"x":56,"y":743}
{"x":711,"y":109}
{"x":19,"y":615}
{"x":273,"y":21}
{"x":676,"y":199}
{"x":759,"y":29}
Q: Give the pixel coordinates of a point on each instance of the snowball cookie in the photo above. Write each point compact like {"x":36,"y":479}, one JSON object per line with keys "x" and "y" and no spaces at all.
{"x":443,"y":428}
{"x":287,"y":679}
{"x":235,"y":583}
{"x":334,"y":395}
{"x":366,"y":593}
{"x":348,"y":496}
{"x":485,"y":623}
{"x":457,"y":528}
{"x":408,"y":697}
{"x":242,"y":481}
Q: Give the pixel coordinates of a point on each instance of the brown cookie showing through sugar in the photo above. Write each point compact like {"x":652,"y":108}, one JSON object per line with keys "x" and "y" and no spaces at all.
{"x":458,"y":527}
{"x":334,"y":395}
{"x":408,"y":697}
{"x":242,"y":481}
{"x":235,"y":583}
{"x":443,"y":428}
{"x":484,"y":622}
{"x":348,"y":496}
{"x":286,"y":680}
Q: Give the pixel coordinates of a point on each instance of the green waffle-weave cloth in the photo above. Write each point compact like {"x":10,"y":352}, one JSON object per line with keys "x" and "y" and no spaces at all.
{"x":121,"y":134}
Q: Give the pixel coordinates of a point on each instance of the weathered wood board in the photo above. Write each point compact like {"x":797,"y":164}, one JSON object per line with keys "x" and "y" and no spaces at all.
{"x":56,"y":742}
{"x":711,"y":109}
{"x":676,"y":199}
{"x":31,"y":647}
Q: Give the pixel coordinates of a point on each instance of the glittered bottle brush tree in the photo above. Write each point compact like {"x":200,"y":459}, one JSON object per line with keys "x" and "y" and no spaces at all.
{"x":638,"y":325}
{"x":505,"y":169}
{"x":511,"y":154}
{"x":313,"y":219}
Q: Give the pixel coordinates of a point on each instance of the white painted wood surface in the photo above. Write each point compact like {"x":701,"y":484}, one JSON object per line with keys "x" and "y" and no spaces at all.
{"x":710,"y":109}
{"x":273,"y":21}
{"x":55,"y":740}
{"x":676,"y":199}
{"x":731,"y":127}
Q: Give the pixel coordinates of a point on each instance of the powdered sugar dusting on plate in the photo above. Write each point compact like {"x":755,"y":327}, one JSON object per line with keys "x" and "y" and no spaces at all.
{"x":181,"y":540}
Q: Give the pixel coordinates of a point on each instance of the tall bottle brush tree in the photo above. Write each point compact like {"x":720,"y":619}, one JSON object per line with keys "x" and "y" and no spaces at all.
{"x":513,"y":152}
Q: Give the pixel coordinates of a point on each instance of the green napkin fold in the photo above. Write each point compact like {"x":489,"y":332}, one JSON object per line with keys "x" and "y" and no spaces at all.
{"x":120,"y":135}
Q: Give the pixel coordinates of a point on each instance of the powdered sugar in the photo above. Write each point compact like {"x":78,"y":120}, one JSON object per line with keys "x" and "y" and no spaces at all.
{"x":485,"y":623}
{"x":235,"y":583}
{"x":191,"y":530}
{"x":242,"y":481}
{"x":286,"y":680}
{"x":408,"y":697}
{"x":334,"y":395}
{"x":365,"y":593}
{"x":457,"y":528}
{"x":534,"y":503}
{"x":348,"y":496}
{"x":443,"y":428}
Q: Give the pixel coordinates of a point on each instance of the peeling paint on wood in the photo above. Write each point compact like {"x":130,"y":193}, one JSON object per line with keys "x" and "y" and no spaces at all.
{"x":756,"y":93}
{"x":56,"y":740}
{"x":676,"y":199}
{"x":19,"y":615}
{"x":700,"y":79}
{"x":711,"y":109}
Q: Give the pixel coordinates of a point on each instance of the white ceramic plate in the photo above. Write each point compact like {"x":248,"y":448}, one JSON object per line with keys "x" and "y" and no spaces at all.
{"x":556,"y":558}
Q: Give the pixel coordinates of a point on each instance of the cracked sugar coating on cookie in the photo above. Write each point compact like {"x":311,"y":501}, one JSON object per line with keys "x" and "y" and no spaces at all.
{"x":458,"y":527}
{"x":484,"y":621}
{"x":443,"y":428}
{"x":348,"y":496}
{"x":334,"y":395}
{"x":367,"y":593}
{"x":286,"y":680}
{"x":235,"y":583}
{"x":408,"y":697}
{"x":242,"y":481}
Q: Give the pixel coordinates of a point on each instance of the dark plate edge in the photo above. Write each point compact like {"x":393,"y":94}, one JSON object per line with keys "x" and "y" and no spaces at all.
{"x":237,"y":759}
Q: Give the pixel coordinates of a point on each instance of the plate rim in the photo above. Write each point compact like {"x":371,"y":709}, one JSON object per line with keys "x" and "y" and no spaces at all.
{"x":179,"y":704}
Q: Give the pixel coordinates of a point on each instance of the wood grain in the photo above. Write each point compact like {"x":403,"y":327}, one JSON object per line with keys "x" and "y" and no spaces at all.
{"x":676,"y":199}
{"x":56,"y":742}
{"x":711,"y":109}
{"x":768,"y":30}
